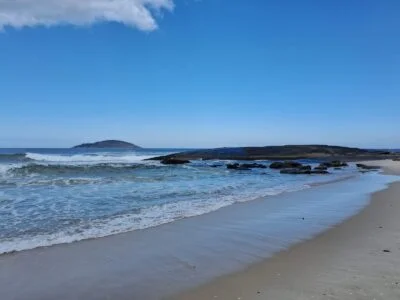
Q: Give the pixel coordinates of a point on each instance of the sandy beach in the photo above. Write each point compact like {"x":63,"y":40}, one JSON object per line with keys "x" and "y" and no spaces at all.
{"x":358,"y":259}
{"x":199,"y":150}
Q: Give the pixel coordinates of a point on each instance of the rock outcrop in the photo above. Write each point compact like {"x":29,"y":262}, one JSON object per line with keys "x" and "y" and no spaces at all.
{"x":285,"y":165}
{"x":321,"y":168}
{"x":334,"y":164}
{"x":237,"y":166}
{"x":174,"y":161}
{"x":282,"y":153}
{"x":302,"y":171}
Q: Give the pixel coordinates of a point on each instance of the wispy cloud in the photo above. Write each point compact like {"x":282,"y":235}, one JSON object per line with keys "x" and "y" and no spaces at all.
{"x":136,"y":13}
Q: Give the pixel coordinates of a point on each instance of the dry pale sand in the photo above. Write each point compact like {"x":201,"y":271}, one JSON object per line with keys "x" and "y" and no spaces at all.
{"x":358,"y":259}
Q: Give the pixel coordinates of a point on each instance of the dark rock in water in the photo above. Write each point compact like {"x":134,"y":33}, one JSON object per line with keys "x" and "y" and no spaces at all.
{"x":321,"y":172}
{"x":334,"y":164}
{"x":339,"y":164}
{"x":232,"y":166}
{"x":237,"y":166}
{"x":285,"y":165}
{"x":305,"y":168}
{"x":174,"y":161}
{"x":365,"y":167}
{"x":321,"y":168}
{"x":253,"y":166}
{"x":295,"y":171}
{"x":396,"y":159}
{"x":276,"y":165}
{"x":110,"y":144}
{"x":303,"y":171}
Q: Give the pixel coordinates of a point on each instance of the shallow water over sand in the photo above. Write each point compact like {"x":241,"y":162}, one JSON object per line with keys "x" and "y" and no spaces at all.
{"x":158,"y":261}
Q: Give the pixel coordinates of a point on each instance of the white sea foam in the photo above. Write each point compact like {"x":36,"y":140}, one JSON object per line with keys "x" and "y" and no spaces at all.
{"x":4,"y":168}
{"x":148,"y":217}
{"x":89,"y":158}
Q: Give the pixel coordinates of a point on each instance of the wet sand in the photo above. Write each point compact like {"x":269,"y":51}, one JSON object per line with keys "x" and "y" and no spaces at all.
{"x":358,"y":259}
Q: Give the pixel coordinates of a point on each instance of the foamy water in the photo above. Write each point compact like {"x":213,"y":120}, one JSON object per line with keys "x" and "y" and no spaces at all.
{"x":89,"y":158}
{"x":61,"y":196}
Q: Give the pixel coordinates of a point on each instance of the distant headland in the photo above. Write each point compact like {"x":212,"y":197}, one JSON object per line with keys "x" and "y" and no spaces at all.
{"x":109,"y":144}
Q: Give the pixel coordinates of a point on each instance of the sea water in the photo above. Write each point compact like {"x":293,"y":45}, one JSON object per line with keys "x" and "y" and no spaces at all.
{"x":54,"y":196}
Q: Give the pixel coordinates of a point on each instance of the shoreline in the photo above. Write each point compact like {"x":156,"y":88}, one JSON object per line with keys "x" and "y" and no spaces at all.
{"x":355,"y":259}
{"x":178,"y":256}
{"x":83,"y":239}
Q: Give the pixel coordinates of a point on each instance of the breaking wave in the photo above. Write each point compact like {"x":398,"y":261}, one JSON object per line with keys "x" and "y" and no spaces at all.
{"x":87,"y":158}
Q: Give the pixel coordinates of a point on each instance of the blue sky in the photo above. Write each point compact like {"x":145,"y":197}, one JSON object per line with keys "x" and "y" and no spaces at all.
{"x":207,"y":73}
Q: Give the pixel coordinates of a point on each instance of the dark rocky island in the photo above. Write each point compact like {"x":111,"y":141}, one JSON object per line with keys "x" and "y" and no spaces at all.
{"x":288,"y":152}
{"x":110,"y":144}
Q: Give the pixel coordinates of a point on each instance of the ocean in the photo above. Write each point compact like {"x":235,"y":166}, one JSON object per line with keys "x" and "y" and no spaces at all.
{"x":55,"y":196}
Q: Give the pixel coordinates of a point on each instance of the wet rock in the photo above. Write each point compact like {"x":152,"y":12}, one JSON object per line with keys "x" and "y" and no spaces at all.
{"x":321,"y":168}
{"x":276,"y":165}
{"x":334,"y":164}
{"x":174,"y":161}
{"x":386,"y":250}
{"x":306,"y":168}
{"x":232,"y":166}
{"x":253,"y":166}
{"x":285,"y":165}
{"x":237,"y":166}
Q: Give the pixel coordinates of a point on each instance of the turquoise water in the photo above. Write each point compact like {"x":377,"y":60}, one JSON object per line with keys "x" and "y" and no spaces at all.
{"x":53,"y":196}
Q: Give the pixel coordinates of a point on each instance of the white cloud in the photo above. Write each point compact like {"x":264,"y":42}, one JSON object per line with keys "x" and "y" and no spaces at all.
{"x":136,"y":13}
